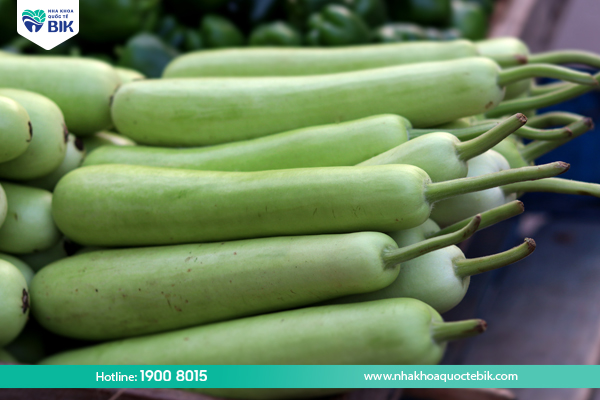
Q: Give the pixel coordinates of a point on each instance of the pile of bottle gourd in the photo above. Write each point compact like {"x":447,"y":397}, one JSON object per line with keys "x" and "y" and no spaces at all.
{"x":268,"y":205}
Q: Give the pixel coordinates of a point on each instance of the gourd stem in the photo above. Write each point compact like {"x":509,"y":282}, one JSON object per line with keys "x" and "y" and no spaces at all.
{"x":474,"y":266}
{"x":566,"y":57}
{"x":536,"y":90}
{"x":553,"y":118}
{"x":446,"y":331}
{"x":442,"y":190}
{"x":394,"y":257}
{"x":536,"y":149}
{"x":545,"y":100}
{"x":481,"y":144}
{"x":488,"y":218}
{"x":553,"y":185}
{"x":528,"y":132}
{"x":515,"y":74}
{"x":461,"y":133}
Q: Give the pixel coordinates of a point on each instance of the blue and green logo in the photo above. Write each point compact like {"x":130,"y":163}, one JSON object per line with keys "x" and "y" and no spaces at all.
{"x":34,"y":20}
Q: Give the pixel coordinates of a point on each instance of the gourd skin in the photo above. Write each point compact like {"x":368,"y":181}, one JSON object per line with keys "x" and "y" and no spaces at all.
{"x":15,"y":129}
{"x":205,"y":111}
{"x":80,"y":87}
{"x":118,"y":205}
{"x":387,"y":332}
{"x":29,"y":226}
{"x":49,"y":141}
{"x":342,"y":144}
{"x":15,"y":302}
{"x":311,"y":61}
{"x":435,"y":153}
{"x":110,"y":294}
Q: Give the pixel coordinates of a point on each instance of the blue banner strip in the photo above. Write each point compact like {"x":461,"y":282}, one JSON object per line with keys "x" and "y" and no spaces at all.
{"x":300,"y":376}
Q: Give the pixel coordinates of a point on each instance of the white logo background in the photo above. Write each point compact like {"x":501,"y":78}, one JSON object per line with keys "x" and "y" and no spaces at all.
{"x":59,"y":14}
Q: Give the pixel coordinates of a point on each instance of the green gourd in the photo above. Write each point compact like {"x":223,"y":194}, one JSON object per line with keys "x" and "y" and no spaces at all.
{"x":511,"y":51}
{"x":442,"y":155}
{"x":128,"y":75}
{"x":15,"y":129}
{"x":21,"y":266}
{"x":386,"y":332}
{"x":125,"y":205}
{"x":3,"y":206}
{"x":105,"y":138}
{"x":14,"y":309}
{"x":38,"y":260}
{"x":452,"y":210}
{"x":206,"y":111}
{"x":48,"y":142}
{"x":563,"y":93}
{"x":73,"y":158}
{"x":440,"y":278}
{"x":29,"y":225}
{"x":343,"y":144}
{"x":82,"y":88}
{"x":110,"y":294}
{"x":311,"y":61}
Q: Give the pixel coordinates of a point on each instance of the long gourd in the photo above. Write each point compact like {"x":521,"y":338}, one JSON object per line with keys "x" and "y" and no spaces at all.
{"x":15,"y":129}
{"x":369,"y":141}
{"x":441,"y":278}
{"x":14,"y":309}
{"x":123,"y":205}
{"x":81,"y":87}
{"x":311,"y":61}
{"x":442,"y":155}
{"x":73,"y":158}
{"x":205,"y":111}
{"x":452,"y":210}
{"x":29,"y":226}
{"x":48,"y":141}
{"x":343,"y":144}
{"x":3,"y":205}
{"x":163,"y":288}
{"x":387,"y":332}
{"x":511,"y":51}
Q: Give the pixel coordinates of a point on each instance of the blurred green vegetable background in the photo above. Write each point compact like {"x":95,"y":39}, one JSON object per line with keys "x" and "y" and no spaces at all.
{"x":146,"y":34}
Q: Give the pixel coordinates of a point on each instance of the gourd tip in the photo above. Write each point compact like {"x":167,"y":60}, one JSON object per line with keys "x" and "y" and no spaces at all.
{"x":521,"y":117}
{"x":530,"y":243}
{"x":481,"y":326}
{"x":563,"y":165}
{"x":588,"y":122}
{"x":521,"y":205}
{"x":521,"y":59}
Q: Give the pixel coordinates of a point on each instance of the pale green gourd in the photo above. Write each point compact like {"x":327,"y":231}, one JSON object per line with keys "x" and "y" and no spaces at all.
{"x":452,"y":210}
{"x":21,"y":266}
{"x":3,"y":206}
{"x":29,"y":226}
{"x":81,"y":87}
{"x":15,"y":129}
{"x":48,"y":143}
{"x":14,"y":302}
{"x":206,"y":111}
{"x":124,"y":205}
{"x":109,"y":294}
{"x":73,"y":158}
{"x":442,"y":155}
{"x":105,"y":138}
{"x":342,"y":144}
{"x":311,"y":61}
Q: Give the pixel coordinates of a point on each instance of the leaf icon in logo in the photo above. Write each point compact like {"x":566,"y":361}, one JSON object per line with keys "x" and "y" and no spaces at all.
{"x":33,"y":20}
